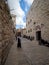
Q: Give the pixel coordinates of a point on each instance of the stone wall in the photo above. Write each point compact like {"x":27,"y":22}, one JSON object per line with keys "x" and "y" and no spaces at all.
{"x":39,"y":13}
{"x":6,"y":31}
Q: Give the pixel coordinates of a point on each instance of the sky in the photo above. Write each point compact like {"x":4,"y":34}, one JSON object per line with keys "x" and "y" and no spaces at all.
{"x":20,"y":9}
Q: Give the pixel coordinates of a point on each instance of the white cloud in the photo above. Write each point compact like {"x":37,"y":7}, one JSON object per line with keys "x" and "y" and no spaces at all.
{"x":19,"y":21}
{"x":20,"y":12}
{"x":29,"y":2}
{"x":16,"y":9}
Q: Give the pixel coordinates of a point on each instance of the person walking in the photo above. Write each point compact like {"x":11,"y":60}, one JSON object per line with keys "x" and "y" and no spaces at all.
{"x":19,"y":42}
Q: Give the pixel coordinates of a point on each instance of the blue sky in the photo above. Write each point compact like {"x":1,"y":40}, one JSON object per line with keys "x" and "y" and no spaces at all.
{"x":24,"y":6}
{"x":20,"y":8}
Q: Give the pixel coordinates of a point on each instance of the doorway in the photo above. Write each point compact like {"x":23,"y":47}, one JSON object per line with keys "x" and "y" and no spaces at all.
{"x":38,"y":35}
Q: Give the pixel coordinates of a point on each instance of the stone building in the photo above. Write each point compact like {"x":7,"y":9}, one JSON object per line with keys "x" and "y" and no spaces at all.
{"x":29,"y":25}
{"x":6,"y":31}
{"x":14,"y":22}
{"x":23,"y":31}
{"x":14,"y":19}
{"x":39,"y":16}
{"x":18,"y":32}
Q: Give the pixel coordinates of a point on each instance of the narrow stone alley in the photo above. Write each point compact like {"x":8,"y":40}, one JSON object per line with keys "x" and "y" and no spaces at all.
{"x":30,"y":54}
{"x":32,"y":25}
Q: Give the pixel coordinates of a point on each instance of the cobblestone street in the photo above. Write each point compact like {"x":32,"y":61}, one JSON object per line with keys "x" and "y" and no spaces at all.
{"x":30,"y":54}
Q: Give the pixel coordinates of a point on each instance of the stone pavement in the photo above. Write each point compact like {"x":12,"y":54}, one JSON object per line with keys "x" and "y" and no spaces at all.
{"x":30,"y":54}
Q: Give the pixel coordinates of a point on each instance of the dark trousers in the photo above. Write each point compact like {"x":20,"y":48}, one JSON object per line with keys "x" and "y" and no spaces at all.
{"x":19,"y":43}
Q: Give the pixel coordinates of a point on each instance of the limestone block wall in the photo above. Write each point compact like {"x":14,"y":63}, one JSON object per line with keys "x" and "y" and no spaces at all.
{"x":6,"y":31}
{"x":30,"y":24}
{"x":23,"y":31}
{"x":39,"y":12}
{"x":41,"y":15}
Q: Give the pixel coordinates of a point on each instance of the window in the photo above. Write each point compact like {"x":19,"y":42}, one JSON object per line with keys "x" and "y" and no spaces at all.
{"x":30,"y":30}
{"x":34,"y":23}
{"x":30,"y":20}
